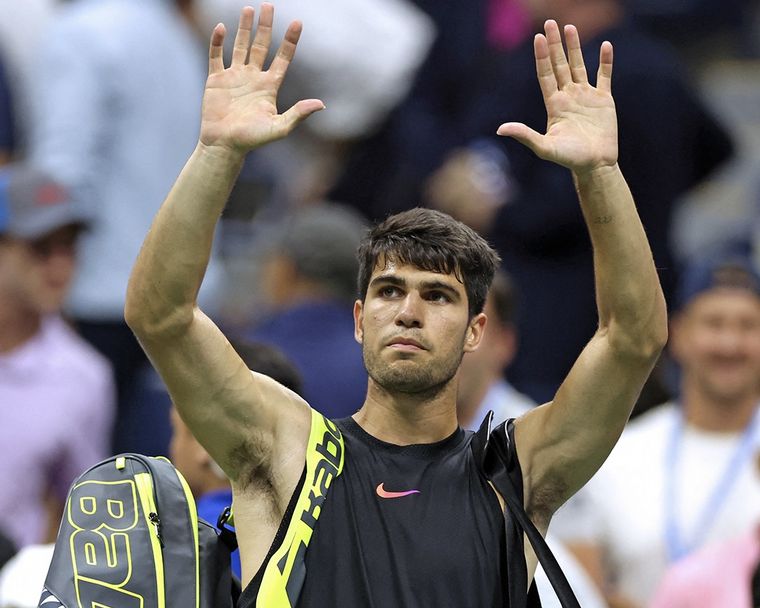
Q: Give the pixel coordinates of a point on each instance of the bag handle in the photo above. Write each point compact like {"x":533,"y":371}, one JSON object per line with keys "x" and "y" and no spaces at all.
{"x":496,"y":465}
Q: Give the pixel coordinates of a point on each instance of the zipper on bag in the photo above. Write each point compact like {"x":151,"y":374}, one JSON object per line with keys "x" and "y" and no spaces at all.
{"x":144,"y":483}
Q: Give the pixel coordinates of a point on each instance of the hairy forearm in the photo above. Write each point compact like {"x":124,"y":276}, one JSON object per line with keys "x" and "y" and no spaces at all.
{"x":169,"y":270}
{"x":629,"y":298}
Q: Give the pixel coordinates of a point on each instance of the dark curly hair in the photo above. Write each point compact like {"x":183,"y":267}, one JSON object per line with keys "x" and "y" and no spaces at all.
{"x":432,"y":241}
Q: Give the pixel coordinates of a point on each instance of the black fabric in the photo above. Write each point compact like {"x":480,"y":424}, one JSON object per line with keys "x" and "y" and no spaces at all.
{"x":756,"y":587}
{"x":7,"y":549}
{"x":220,"y":587}
{"x":441,"y":546}
{"x":499,"y":459}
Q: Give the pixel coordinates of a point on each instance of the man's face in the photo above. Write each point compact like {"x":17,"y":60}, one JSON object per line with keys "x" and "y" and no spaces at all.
{"x":716,"y":339}
{"x":36,"y":274}
{"x":414,"y":329}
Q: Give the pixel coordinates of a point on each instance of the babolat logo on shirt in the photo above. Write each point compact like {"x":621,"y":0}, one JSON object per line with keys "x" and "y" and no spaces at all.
{"x":286,"y":570}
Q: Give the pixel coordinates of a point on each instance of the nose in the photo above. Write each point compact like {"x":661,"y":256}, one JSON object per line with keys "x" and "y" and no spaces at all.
{"x":410,"y":311}
{"x":729,"y":341}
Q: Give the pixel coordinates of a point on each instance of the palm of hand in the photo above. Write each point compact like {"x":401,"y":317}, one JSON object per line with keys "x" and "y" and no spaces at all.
{"x":240,"y":101}
{"x":581,"y":130}
{"x":240,"y":108}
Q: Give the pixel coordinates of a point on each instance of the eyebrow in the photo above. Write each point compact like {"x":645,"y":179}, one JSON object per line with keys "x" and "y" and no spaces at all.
{"x":389,"y":279}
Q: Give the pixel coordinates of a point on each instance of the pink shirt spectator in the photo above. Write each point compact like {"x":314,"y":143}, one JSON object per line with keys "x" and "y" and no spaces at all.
{"x":56,"y":411}
{"x":719,"y":576}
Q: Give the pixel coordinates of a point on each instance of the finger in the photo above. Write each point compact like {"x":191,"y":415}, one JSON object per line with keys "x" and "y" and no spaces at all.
{"x":575,"y":55}
{"x":557,"y":54}
{"x":216,"y":50}
{"x":263,"y":38}
{"x":525,"y":135}
{"x":604,"y":75}
{"x":243,"y":36}
{"x":298,"y":113}
{"x":546,"y":78}
{"x":286,"y":51}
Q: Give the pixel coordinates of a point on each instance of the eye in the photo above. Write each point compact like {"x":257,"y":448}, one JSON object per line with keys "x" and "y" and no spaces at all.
{"x":388,"y":291}
{"x":439,"y":297}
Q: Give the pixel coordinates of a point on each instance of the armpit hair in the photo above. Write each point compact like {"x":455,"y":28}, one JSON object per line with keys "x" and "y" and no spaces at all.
{"x":544,"y":501}
{"x":252,"y":460}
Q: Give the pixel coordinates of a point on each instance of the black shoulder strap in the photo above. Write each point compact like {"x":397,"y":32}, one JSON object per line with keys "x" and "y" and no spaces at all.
{"x":493,"y":448}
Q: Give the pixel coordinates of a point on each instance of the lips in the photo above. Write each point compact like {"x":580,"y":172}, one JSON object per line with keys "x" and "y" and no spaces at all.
{"x":407,"y":343}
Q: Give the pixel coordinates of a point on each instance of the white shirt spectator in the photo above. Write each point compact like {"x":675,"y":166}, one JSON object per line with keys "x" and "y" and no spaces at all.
{"x":623,"y":508}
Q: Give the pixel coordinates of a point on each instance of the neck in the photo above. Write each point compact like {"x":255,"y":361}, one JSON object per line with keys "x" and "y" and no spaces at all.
{"x":718,"y":415}
{"x":404,"y":419}
{"x":17,"y":326}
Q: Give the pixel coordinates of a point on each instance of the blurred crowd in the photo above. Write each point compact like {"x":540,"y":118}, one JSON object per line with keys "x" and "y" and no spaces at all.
{"x":100,"y":106}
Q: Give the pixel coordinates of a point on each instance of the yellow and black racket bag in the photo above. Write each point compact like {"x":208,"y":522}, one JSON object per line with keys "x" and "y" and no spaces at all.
{"x":130,"y":537}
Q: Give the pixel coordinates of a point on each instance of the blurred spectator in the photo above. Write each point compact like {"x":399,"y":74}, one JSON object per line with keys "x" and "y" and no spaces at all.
{"x":384,"y":172}
{"x":683,"y":474}
{"x":7,"y":126}
{"x":482,"y":388}
{"x":508,"y":24}
{"x":208,"y":483}
{"x":344,"y":57}
{"x":344,"y":60}
{"x":7,"y":549}
{"x":22,"y":578}
{"x":691,"y":23}
{"x":718,"y":576}
{"x":22,"y":25}
{"x":669,"y":142}
{"x":309,"y":284}
{"x":115,"y":116}
{"x":56,"y":391}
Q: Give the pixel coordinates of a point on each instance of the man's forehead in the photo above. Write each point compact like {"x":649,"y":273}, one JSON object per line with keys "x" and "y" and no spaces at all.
{"x":391,"y":267}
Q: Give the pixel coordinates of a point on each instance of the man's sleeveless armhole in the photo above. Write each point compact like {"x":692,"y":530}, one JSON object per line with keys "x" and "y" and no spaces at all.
{"x":279,"y":580}
{"x":248,"y":597}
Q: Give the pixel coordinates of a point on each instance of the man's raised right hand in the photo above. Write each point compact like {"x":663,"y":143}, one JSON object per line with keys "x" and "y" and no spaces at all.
{"x":240,"y":102}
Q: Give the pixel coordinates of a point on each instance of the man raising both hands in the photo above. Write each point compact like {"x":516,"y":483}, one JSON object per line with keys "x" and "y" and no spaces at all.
{"x":410,"y":521}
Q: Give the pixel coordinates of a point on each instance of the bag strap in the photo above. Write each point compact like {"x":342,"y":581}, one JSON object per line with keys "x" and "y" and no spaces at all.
{"x":496,"y":464}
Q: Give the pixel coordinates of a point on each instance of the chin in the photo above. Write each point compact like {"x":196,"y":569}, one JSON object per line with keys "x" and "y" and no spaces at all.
{"x":50,"y":307}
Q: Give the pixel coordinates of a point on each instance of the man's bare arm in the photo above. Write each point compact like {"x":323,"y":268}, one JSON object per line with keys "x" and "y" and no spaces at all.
{"x":562,"y":444}
{"x":236,"y":414}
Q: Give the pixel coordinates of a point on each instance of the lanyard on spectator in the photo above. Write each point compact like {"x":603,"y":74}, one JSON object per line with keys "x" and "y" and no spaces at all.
{"x":676,"y":545}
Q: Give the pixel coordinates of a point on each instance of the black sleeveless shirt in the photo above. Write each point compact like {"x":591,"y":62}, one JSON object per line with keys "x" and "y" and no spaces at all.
{"x":406,"y":527}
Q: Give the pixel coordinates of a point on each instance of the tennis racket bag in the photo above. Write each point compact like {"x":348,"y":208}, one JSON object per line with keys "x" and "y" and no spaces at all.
{"x":130,"y":537}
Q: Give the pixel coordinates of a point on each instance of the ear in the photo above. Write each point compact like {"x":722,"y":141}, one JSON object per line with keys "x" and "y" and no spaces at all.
{"x":474,"y":332}
{"x":359,"y":321}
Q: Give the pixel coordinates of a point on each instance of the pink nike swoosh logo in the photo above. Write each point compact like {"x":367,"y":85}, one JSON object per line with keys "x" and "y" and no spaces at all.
{"x":383,"y":493}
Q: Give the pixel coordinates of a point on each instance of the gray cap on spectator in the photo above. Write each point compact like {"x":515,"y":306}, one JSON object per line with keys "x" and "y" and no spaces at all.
{"x":32,"y":204}
{"x":322,"y":240}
